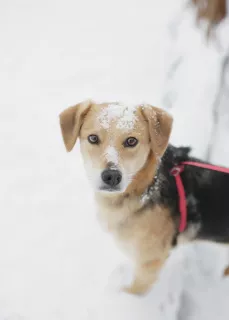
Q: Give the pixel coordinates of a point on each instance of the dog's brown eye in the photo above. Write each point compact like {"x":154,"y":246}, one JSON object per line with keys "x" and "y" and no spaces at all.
{"x":130,"y":142}
{"x":93,"y":139}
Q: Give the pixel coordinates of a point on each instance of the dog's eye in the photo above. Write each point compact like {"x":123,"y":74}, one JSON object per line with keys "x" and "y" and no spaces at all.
{"x":93,"y":139}
{"x":130,"y":142}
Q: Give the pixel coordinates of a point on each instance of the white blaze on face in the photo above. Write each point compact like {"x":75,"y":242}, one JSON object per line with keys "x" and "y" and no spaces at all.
{"x":111,"y":155}
{"x":124,"y":116}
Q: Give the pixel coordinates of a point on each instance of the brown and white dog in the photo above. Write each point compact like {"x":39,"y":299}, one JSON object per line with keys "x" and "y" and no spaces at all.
{"x":127,"y":159}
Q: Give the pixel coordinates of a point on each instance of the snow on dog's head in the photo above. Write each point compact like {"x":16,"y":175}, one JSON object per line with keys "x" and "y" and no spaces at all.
{"x":120,"y":144}
{"x":125,"y":116}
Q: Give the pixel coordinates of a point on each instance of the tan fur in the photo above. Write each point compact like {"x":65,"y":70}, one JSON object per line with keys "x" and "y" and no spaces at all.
{"x":144,"y":232}
{"x":71,"y":121}
{"x":144,"y":177}
{"x":145,"y":275}
{"x":160,"y":126}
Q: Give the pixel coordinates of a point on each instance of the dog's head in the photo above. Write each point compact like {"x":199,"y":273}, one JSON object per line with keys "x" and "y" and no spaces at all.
{"x":121,"y":145}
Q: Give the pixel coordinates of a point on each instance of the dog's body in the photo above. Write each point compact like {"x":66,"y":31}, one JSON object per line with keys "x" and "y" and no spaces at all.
{"x":136,"y":195}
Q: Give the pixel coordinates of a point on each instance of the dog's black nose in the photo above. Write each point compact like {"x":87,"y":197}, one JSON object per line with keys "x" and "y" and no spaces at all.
{"x":111,"y":177}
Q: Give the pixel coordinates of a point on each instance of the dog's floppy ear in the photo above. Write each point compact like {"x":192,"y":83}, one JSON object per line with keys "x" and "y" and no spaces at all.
{"x":160,"y":126}
{"x":71,"y":121}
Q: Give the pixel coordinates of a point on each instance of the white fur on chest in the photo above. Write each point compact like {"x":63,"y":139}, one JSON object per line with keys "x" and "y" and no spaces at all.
{"x":118,"y":220}
{"x":111,"y":218}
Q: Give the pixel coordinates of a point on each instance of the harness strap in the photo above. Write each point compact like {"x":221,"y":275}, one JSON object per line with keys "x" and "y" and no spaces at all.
{"x":176,"y":171}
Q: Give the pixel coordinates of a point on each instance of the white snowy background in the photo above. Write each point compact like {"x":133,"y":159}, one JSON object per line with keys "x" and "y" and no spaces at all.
{"x":55,"y":262}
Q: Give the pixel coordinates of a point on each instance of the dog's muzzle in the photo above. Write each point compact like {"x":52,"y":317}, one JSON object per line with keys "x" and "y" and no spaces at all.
{"x":112,"y":178}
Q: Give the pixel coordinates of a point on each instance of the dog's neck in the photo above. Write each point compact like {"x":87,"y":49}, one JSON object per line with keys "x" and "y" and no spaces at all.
{"x":115,"y":208}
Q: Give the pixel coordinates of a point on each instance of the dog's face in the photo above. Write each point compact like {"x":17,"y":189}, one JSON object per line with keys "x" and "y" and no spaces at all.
{"x":115,"y":144}
{"x":116,"y":140}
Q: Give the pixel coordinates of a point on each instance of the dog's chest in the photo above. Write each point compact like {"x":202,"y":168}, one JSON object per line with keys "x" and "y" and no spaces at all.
{"x":120,"y":223}
{"x":113,"y":217}
{"x":140,"y":231}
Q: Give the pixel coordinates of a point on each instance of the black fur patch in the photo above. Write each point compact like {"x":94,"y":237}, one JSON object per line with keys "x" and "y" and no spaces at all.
{"x":207,"y":194}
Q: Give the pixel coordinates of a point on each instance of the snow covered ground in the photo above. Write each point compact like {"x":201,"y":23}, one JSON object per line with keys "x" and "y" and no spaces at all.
{"x":55,"y":262}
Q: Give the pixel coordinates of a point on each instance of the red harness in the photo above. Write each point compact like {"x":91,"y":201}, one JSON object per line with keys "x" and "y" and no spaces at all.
{"x":176,"y":171}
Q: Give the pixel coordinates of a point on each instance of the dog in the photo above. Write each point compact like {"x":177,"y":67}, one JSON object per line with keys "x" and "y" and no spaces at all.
{"x":128,"y":159}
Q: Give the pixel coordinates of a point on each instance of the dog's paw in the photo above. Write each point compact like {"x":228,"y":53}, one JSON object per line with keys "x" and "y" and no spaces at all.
{"x":135,"y":290}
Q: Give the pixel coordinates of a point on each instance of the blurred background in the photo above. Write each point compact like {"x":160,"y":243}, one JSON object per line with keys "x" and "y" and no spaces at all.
{"x":54,"y":259}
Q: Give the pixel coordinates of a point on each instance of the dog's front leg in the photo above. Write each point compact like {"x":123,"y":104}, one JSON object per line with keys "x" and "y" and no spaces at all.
{"x":145,"y":276}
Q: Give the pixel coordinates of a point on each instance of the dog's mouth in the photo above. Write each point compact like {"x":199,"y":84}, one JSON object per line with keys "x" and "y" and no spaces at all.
{"x":110,"y":189}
